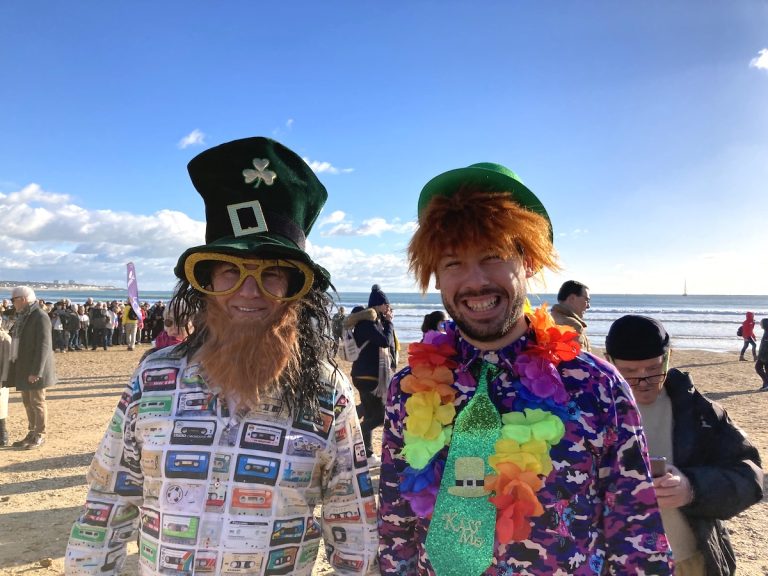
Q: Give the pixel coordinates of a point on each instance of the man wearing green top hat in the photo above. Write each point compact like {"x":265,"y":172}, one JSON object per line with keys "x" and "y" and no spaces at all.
{"x":222,"y":446}
{"x":506,"y":448}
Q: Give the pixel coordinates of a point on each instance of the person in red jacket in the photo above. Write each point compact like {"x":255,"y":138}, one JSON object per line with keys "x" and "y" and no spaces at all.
{"x":748,"y":333}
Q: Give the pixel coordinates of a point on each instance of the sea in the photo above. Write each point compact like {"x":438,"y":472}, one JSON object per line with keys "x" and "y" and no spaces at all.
{"x":693,"y":321}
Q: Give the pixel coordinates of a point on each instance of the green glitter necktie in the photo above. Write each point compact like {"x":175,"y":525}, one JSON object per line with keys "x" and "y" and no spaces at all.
{"x":461,"y":535}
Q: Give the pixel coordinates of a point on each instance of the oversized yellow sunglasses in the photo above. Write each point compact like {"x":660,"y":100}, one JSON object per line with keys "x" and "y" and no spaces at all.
{"x":221,"y":274}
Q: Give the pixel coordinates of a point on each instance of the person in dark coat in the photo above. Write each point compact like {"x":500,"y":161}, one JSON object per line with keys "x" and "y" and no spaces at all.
{"x":713,"y":471}
{"x":761,"y":364}
{"x":33,"y":369}
{"x":374,"y":331}
{"x":337,"y":327}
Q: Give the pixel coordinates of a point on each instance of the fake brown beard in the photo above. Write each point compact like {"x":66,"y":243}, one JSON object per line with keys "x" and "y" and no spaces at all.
{"x":247,"y":358}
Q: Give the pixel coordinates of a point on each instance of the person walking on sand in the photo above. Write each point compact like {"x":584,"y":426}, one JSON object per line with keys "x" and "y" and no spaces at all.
{"x":712,"y":470}
{"x":748,"y":333}
{"x":32,"y":369}
{"x":222,"y":446}
{"x":507,"y":450}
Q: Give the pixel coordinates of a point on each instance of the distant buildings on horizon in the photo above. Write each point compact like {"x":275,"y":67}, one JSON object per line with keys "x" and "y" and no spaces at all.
{"x":53,"y":285}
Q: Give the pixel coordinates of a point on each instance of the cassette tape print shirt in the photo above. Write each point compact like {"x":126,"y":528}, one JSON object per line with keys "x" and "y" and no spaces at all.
{"x":208,"y":490}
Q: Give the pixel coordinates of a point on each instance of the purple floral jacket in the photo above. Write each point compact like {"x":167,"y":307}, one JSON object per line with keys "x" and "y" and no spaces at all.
{"x":600,"y":511}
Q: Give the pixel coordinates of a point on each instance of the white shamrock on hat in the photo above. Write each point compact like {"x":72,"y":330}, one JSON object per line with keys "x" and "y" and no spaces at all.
{"x":261,"y":174}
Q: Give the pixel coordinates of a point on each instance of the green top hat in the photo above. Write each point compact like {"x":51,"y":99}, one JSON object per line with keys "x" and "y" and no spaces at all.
{"x":261,"y":200}
{"x":485,"y":175}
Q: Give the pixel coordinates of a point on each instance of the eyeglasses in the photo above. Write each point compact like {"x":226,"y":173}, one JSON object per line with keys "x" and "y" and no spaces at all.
{"x":222,"y":274}
{"x":652,"y":380}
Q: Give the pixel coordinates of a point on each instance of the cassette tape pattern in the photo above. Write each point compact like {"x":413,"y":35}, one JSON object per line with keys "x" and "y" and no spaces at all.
{"x":207,"y":489}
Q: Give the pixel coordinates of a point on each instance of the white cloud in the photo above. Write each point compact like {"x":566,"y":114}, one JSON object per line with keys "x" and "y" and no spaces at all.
{"x":353,"y":270}
{"x":760,"y":61}
{"x":575,"y":233}
{"x":33,"y":192}
{"x":45,"y":237}
{"x":326,"y":167}
{"x":371,"y":227}
{"x":333,"y":218}
{"x":194,"y":138}
{"x":289,"y":123}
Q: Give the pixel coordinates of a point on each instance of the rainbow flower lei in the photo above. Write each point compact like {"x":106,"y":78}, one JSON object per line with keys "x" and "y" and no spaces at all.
{"x":521,"y":460}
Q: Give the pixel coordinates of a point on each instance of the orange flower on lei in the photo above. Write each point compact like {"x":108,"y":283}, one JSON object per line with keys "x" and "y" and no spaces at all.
{"x":425,"y":378}
{"x":421,"y":354}
{"x":515,"y":500}
{"x":553,"y":342}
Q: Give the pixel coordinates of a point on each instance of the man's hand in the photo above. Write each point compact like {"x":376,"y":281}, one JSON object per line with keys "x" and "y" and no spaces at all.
{"x":673,"y":490}
{"x":32,"y":379}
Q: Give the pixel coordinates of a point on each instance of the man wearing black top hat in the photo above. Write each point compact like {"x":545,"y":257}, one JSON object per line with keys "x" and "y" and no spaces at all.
{"x":712,"y":470}
{"x":222,"y":446}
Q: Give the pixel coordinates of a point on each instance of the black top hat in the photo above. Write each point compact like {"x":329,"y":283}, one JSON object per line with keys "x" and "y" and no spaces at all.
{"x":261,"y":199}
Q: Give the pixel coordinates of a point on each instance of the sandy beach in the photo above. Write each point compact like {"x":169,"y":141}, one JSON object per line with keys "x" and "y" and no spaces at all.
{"x":42,"y":491}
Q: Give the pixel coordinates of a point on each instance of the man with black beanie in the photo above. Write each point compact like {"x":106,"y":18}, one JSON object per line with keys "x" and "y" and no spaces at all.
{"x":712,"y":470}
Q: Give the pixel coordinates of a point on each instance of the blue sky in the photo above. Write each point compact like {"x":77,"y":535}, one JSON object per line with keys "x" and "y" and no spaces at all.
{"x":643,"y":128}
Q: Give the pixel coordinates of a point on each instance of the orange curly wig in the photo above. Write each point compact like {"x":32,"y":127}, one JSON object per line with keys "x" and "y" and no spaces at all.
{"x":478,"y":219}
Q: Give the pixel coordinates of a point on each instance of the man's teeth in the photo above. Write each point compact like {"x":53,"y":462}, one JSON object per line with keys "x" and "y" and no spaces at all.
{"x":483,"y":305}
{"x":247,"y":309}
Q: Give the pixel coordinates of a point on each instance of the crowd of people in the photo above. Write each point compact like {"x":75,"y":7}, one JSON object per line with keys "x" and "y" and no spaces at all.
{"x":96,"y":324}
{"x":507,"y":446}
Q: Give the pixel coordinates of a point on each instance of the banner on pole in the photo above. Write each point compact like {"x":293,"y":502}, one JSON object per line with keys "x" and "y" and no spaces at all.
{"x":133,"y":290}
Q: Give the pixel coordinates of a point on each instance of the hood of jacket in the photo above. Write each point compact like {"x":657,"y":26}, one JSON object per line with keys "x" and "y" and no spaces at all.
{"x":367,"y":314}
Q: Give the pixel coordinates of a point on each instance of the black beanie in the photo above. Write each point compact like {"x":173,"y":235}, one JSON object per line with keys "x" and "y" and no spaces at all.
{"x":377,"y":297}
{"x":634,"y":337}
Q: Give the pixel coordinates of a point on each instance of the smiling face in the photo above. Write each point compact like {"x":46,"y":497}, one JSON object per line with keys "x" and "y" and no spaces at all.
{"x":247,"y":303}
{"x":484,"y":293}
